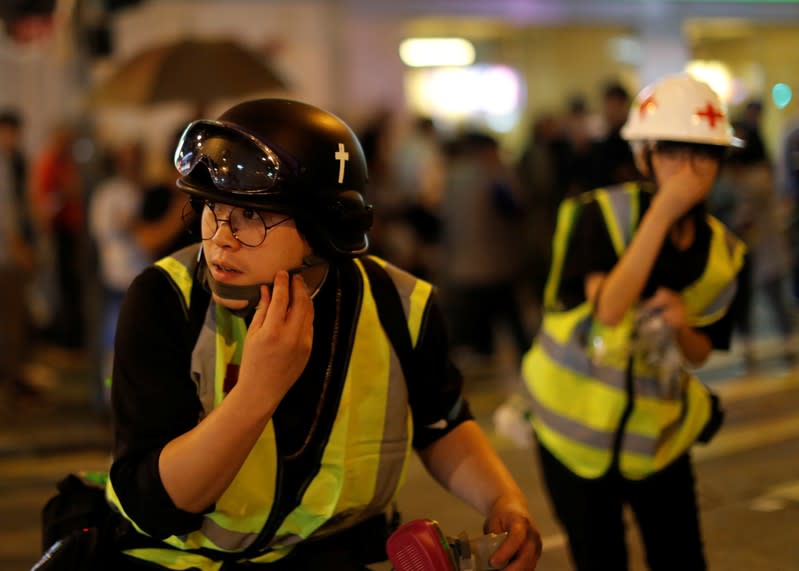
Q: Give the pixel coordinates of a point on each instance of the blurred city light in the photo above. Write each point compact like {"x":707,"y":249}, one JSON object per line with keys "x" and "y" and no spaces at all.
{"x":489,"y":94}
{"x":740,"y":91}
{"x":781,"y":94}
{"x":428,"y":52}
{"x":715,"y":74}
{"x":626,"y":50}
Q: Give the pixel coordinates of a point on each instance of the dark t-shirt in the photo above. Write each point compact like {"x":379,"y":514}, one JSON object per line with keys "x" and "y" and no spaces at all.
{"x":155,"y":400}
{"x":154,"y":206}
{"x":590,"y":250}
{"x":613,"y":161}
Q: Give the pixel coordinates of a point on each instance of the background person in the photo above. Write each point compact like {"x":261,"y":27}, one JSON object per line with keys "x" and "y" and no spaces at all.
{"x":482,"y":261}
{"x":58,"y":205}
{"x":787,"y":177}
{"x":269,"y":426}
{"x":748,"y":180}
{"x":126,"y":242}
{"x":163,"y":201}
{"x":613,"y":159}
{"x":640,"y":288}
{"x":411,"y":199}
{"x":16,"y":265}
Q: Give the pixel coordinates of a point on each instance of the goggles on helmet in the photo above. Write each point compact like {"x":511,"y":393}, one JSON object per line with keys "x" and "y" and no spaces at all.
{"x":237,"y":161}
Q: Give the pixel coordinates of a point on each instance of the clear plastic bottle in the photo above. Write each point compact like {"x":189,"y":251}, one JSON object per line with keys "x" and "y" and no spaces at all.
{"x":474,"y":554}
{"x":656,"y":344}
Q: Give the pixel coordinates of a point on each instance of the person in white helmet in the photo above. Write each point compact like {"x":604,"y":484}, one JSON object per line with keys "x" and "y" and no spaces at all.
{"x":642,"y":285}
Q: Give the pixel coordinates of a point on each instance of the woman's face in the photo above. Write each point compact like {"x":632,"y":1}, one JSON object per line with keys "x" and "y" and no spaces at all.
{"x":233,"y":263}
{"x":670,"y":163}
{"x":665,"y":165}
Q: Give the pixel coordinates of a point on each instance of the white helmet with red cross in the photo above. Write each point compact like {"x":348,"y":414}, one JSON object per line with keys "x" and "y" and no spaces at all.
{"x":679,"y":108}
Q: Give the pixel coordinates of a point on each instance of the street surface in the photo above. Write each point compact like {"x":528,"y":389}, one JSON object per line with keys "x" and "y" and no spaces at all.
{"x":748,"y":477}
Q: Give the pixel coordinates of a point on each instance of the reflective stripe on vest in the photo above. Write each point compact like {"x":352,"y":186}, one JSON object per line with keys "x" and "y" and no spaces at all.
{"x":578,"y":402}
{"x":623,"y":207}
{"x":364,"y":461}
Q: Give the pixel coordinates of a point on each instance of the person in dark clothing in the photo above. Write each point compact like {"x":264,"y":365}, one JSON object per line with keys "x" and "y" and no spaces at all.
{"x":575,"y":151}
{"x":613,"y":160}
{"x":787,"y":171}
{"x":641,"y":289}
{"x":542,"y":188}
{"x":57,"y":194}
{"x":482,"y":210}
{"x":11,"y":147}
{"x":160,"y":196}
{"x":17,"y":262}
{"x":749,"y":179}
{"x":750,"y":125}
{"x":271,"y":381}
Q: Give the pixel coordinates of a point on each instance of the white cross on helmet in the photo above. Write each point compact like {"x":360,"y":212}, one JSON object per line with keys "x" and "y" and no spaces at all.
{"x":679,"y":108}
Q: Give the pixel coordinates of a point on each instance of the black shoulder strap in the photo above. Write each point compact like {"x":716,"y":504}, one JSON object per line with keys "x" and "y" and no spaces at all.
{"x":391,"y":314}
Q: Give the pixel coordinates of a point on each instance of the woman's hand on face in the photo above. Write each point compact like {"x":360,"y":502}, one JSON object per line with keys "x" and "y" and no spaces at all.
{"x":688,"y":184}
{"x":278,"y":342}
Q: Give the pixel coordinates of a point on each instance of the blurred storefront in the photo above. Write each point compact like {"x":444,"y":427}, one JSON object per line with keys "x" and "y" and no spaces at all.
{"x":344,"y":54}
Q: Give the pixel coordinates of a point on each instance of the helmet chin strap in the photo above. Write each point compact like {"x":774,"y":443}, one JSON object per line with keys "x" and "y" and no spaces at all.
{"x":252,"y":293}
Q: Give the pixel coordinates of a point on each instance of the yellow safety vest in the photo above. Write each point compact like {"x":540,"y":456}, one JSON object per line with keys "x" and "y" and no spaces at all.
{"x":364,"y":461}
{"x":578,"y":402}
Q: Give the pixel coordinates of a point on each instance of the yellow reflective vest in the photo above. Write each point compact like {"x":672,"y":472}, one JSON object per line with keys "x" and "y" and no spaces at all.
{"x":364,"y":461}
{"x":583,"y":407}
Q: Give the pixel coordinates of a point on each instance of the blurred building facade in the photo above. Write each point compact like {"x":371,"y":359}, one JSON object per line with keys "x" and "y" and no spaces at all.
{"x":343,"y":54}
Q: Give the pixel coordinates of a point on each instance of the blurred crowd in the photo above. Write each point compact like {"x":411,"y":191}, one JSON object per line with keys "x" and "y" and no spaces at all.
{"x":74,"y":234}
{"x":749,"y":200}
{"x":450,"y":206}
{"x":455,"y":208}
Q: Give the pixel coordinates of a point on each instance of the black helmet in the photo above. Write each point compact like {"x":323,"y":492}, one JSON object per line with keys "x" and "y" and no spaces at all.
{"x":286,"y":156}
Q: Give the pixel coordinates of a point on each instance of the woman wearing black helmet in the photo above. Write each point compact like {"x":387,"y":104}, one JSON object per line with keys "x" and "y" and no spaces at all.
{"x":264,"y":378}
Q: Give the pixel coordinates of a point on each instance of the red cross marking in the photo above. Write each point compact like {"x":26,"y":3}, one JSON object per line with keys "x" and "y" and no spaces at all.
{"x":646,"y":106}
{"x":711,"y":114}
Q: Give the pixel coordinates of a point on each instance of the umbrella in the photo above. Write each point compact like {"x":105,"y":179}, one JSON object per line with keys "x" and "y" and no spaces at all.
{"x":196,"y":71}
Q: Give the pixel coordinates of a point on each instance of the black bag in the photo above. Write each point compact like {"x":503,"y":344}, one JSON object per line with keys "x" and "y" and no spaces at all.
{"x":78,"y":528}
{"x":714,"y":422}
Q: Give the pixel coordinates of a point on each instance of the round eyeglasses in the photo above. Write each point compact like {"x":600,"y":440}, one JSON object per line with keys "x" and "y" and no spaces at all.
{"x":248,"y":225}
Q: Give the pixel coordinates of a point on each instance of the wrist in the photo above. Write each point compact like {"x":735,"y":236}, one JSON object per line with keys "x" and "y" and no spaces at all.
{"x":662,"y":211}
{"x":256,"y":404}
{"x":511,"y":501}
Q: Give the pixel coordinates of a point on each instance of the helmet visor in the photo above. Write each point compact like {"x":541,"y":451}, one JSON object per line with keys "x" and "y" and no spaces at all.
{"x":236,"y":161}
